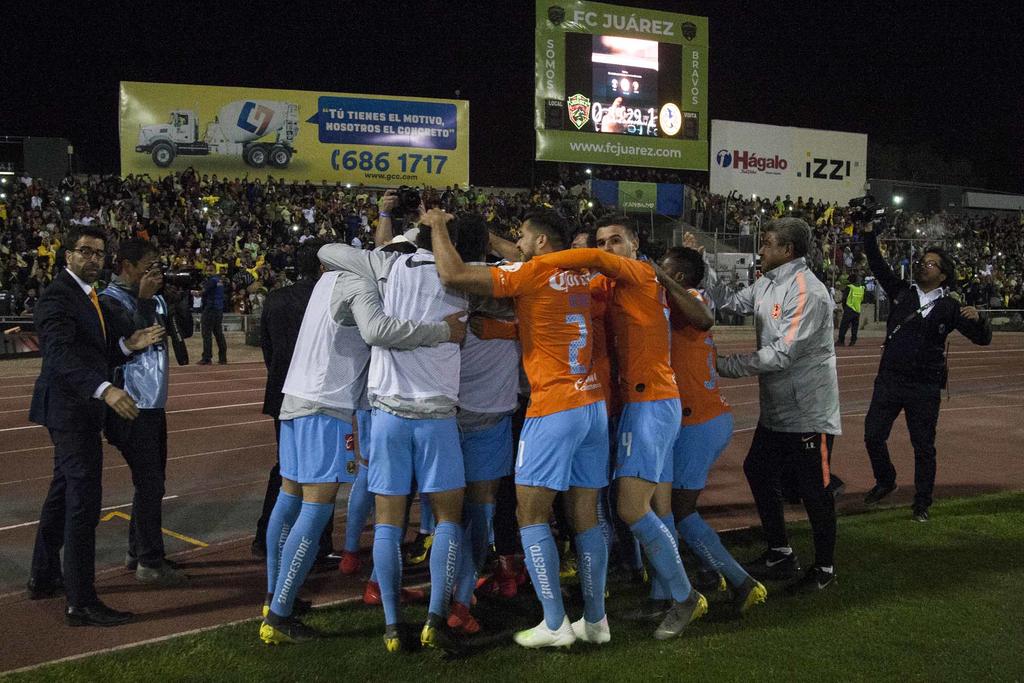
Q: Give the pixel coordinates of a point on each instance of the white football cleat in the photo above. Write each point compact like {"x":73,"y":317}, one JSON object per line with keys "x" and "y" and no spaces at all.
{"x":541,"y":636}
{"x":596,"y":633}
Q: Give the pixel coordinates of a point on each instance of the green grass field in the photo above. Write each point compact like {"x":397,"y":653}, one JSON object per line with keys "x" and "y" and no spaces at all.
{"x":914,"y":602}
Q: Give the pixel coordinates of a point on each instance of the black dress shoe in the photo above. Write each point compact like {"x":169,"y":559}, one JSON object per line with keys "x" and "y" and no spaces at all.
{"x":880,"y":491}
{"x":96,"y":614}
{"x":41,"y":590}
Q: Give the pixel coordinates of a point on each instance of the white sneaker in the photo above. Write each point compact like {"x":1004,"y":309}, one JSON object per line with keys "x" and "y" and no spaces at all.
{"x":541,"y":636}
{"x":596,"y":633}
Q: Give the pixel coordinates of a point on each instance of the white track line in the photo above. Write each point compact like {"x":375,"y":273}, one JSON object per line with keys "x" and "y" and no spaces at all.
{"x":206,"y":393}
{"x":172,"y":431}
{"x":106,"y":509}
{"x":262,"y":375}
{"x":169,"y":412}
{"x":176,"y":457}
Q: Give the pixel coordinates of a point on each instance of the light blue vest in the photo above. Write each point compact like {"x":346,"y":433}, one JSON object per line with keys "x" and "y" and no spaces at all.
{"x":145,"y":374}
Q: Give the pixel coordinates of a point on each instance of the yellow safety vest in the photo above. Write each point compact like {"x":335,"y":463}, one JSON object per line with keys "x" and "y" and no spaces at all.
{"x":854,"y":297}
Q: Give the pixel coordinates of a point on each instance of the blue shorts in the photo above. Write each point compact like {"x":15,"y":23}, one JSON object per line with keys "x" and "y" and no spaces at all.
{"x":488,"y":452}
{"x":317,"y":449}
{"x":365,"y":423}
{"x":563,"y":449}
{"x":697,"y":448}
{"x":405,"y":449}
{"x":647,"y":431}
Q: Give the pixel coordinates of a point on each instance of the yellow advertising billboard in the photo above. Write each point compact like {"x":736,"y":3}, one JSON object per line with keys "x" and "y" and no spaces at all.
{"x":293,"y":134}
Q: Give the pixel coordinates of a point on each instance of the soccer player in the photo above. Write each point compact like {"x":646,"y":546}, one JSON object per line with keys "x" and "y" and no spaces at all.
{"x":564,"y":443}
{"x":414,"y":395}
{"x":488,"y":395}
{"x":324,"y":388}
{"x":707,"y":421}
{"x":638,"y":313}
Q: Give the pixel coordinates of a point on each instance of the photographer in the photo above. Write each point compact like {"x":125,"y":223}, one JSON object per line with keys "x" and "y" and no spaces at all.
{"x":212,"y":318}
{"x":913,"y":369}
{"x":129,"y":303}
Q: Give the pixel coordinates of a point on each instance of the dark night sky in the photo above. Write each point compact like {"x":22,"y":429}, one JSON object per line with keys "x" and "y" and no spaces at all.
{"x":942,"y":74}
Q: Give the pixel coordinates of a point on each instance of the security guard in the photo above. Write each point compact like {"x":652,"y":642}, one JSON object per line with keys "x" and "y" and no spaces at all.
{"x":852,"y":299}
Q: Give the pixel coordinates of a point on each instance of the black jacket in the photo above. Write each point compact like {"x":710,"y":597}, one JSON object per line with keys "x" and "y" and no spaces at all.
{"x":76,"y":358}
{"x":916,"y":350}
{"x":279,"y":330}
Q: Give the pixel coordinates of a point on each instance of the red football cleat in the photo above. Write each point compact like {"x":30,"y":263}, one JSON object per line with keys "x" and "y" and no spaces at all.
{"x":461,"y":621}
{"x":371,"y":594}
{"x":350,"y":563}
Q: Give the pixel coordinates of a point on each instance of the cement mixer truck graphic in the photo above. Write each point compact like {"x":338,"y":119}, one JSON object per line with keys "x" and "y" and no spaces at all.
{"x":260,"y":131}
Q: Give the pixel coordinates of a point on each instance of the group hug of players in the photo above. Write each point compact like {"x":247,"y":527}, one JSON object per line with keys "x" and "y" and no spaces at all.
{"x":610,"y":343}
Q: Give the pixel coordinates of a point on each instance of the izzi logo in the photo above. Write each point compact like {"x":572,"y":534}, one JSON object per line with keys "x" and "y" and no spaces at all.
{"x":827,"y":169}
{"x":751,"y":162}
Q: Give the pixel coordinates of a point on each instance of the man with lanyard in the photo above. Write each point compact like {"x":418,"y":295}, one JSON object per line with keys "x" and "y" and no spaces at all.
{"x":131,"y":302}
{"x":853,"y":296}
{"x":912,"y":371}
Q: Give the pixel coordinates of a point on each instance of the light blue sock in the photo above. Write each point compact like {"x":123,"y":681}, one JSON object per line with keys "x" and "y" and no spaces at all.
{"x":298,"y":554}
{"x":476,"y":529}
{"x":659,"y":545}
{"x":592,"y":561}
{"x":604,"y":518}
{"x":542,"y":564}
{"x":387,"y":566}
{"x":703,"y":540}
{"x":360,"y":506}
{"x":282,"y":517}
{"x":444,"y":565}
{"x":660,"y":589}
{"x":427,"y":523}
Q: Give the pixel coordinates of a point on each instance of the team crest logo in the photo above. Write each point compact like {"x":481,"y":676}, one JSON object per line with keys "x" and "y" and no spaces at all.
{"x":689,"y":30}
{"x":776,"y":311}
{"x":556,"y":14}
{"x":350,"y":467}
{"x":579,"y":110}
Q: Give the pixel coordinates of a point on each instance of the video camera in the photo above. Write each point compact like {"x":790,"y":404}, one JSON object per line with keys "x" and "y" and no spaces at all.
{"x":867,"y":210}
{"x":409,"y":200}
{"x":182,"y":279}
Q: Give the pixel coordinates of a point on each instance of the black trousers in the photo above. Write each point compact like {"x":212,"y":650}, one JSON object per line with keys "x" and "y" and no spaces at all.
{"x":919,"y":402}
{"x":270,"y":499}
{"x":802,"y":460}
{"x":212,"y":323}
{"x":851,"y":322}
{"x":70,"y":514}
{"x":143,"y":444}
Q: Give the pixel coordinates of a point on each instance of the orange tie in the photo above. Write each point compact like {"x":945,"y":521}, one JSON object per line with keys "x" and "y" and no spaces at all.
{"x":96,"y":304}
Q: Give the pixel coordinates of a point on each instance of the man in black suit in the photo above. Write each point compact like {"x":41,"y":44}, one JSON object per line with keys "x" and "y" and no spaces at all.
{"x":912,"y":372}
{"x":68,"y":400}
{"x":279,"y":328}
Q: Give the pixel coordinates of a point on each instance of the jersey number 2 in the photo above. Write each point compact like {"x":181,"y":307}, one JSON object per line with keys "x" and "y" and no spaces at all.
{"x":577,"y":344}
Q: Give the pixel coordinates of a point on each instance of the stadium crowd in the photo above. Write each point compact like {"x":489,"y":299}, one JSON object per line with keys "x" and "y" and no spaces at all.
{"x":247,"y":231}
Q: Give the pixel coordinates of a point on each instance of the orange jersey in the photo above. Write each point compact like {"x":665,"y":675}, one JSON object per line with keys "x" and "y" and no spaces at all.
{"x":638,"y":317}
{"x":694,"y":358}
{"x":601,"y":362}
{"x":555,"y":332}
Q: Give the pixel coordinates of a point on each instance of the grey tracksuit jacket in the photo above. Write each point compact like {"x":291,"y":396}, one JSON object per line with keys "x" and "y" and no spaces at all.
{"x":795,"y":359}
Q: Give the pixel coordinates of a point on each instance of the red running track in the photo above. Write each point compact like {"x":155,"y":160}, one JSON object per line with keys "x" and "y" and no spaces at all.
{"x":221,"y":448}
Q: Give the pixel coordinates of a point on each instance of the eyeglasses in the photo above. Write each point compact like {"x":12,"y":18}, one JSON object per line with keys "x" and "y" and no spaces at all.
{"x":90,"y":254}
{"x":929,"y":264}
